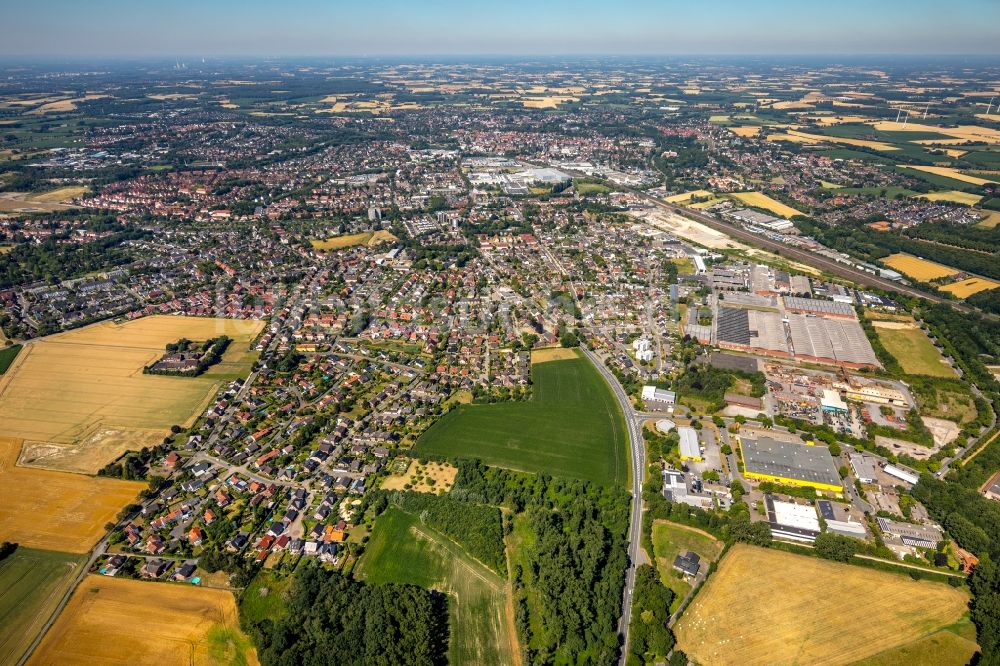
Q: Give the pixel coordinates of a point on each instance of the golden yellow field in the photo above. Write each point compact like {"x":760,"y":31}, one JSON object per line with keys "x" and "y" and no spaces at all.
{"x":745,"y":130}
{"x":761,"y":200}
{"x":685,"y":196}
{"x":969,"y":286}
{"x":552,"y":354}
{"x":917,"y":268}
{"x":952,"y":195}
{"x":4,"y":249}
{"x":991,"y":219}
{"x":119,"y":621}
{"x":64,"y":104}
{"x":57,"y":199}
{"x":819,"y":138}
{"x":949,"y":172}
{"x":65,"y":389}
{"x":442,"y":474}
{"x":550,"y":102}
{"x":961,"y":132}
{"x":56,"y":510}
{"x":815,"y":611}
{"x":369,"y":238}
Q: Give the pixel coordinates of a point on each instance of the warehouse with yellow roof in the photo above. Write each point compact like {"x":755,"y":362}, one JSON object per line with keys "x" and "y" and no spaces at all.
{"x":789,"y":463}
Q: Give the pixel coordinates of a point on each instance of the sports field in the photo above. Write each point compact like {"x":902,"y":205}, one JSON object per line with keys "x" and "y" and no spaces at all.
{"x":969,"y":286}
{"x":31,"y":584}
{"x":119,"y":621}
{"x":56,"y":510}
{"x":572,"y":426}
{"x":402,"y":550}
{"x":916,"y":354}
{"x":917,"y":268}
{"x":669,"y":541}
{"x":71,"y":395}
{"x":369,"y":238}
{"x":761,"y":200}
{"x":815,"y":611}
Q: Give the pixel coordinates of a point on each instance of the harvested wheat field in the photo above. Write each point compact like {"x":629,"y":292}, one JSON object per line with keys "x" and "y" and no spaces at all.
{"x":65,"y":389}
{"x":761,"y":200}
{"x":954,"y":196}
{"x":969,"y":286}
{"x":809,"y":613}
{"x":118,"y":621}
{"x":56,"y":510}
{"x":948,"y":172}
{"x":369,"y":238}
{"x":433,"y":477}
{"x":551,"y":354}
{"x":687,"y":196}
{"x":745,"y":130}
{"x":917,"y":268}
{"x":960,"y":132}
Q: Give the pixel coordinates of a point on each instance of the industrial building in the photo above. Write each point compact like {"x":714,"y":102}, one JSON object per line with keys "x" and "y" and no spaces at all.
{"x":919,"y":536}
{"x":833,"y":341}
{"x":902,"y":473}
{"x":790,"y":520}
{"x":759,"y":331}
{"x":849,"y":527}
{"x":819,"y":307}
{"x":690,"y":449}
{"x":767,"y":459}
{"x":658,"y":395}
{"x":863,"y":468}
{"x":832,"y":402}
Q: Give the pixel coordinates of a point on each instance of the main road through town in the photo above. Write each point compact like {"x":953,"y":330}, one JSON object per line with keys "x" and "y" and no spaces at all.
{"x":633,"y":424}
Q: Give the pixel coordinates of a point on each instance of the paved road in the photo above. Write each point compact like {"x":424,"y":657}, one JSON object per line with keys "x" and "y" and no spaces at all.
{"x":638,"y":456}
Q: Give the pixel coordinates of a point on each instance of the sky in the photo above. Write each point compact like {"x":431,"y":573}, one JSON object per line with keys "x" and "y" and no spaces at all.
{"x":172,"y":28}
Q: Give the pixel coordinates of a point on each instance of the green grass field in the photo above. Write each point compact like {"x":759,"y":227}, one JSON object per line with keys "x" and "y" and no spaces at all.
{"x":402,"y":550}
{"x":583,"y":187}
{"x":914,"y":351}
{"x":669,"y":541}
{"x":7,"y":356}
{"x":264,"y":597}
{"x":951,"y":646}
{"x":571,"y":427}
{"x":31,"y":584}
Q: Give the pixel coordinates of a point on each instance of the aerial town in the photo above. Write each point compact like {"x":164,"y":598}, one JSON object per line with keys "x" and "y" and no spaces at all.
{"x":573,"y":362}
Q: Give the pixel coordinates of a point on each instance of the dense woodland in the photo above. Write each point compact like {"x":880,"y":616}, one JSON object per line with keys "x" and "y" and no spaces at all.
{"x":334,"y":619}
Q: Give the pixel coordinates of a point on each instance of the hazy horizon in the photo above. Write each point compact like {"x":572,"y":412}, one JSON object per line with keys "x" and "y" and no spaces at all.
{"x":448,"y":28}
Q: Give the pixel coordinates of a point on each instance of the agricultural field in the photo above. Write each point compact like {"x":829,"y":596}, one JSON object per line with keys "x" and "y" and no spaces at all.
{"x":590,"y":188}
{"x":949,"y":172}
{"x":56,"y":510}
{"x":969,"y":286}
{"x":434,"y":477}
{"x":811,"y":611}
{"x":369,"y":238}
{"x":552,"y":354}
{"x":991,"y":219}
{"x":760,"y":200}
{"x":804,"y":137}
{"x":572,"y":426}
{"x":112,"y":620}
{"x":953,"y":646}
{"x":953,"y":196}
{"x":958,"y":134}
{"x":58,"y":199}
{"x":745,"y":130}
{"x":7,"y":356}
{"x":684,"y":197}
{"x":401,"y":550}
{"x":71,"y":395}
{"x":917,"y":268}
{"x":669,"y":541}
{"x":32,"y":582}
{"x":916,"y":354}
